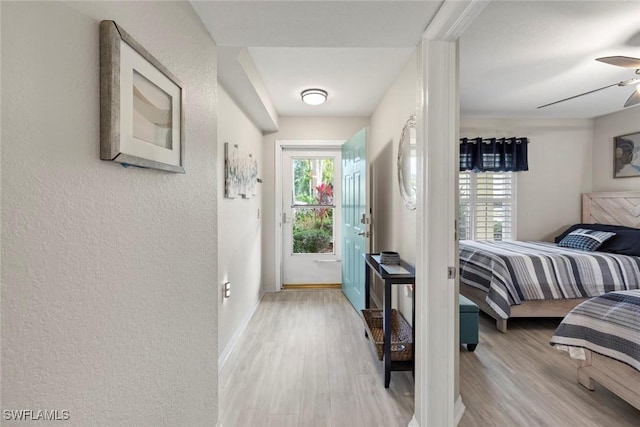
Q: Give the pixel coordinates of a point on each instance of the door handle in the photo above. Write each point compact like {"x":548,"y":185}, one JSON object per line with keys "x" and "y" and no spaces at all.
{"x":364,"y":233}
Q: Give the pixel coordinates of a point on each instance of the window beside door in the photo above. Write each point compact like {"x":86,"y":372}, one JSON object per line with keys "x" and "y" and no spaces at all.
{"x":486,"y":206}
{"x":313,"y":206}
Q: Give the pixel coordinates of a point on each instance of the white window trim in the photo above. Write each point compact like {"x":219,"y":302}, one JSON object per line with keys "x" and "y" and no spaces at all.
{"x":473,"y":203}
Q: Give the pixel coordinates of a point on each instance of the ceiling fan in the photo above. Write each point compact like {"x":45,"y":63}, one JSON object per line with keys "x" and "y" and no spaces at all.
{"x":620,"y":61}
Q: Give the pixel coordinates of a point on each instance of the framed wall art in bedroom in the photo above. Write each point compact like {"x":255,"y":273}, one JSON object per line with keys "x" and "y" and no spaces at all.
{"x":626,"y":156}
{"x":141,"y":105}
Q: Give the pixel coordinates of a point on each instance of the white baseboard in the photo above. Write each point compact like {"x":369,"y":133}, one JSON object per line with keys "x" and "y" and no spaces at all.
{"x":224,"y":356}
{"x":458,"y":410}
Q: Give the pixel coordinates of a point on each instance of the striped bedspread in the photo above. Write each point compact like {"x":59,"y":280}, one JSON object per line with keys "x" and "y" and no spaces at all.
{"x":512,"y":272}
{"x":608,"y":324}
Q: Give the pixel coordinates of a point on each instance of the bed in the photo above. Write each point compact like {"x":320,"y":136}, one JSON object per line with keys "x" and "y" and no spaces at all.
{"x":603,"y":334}
{"x":538,"y":279}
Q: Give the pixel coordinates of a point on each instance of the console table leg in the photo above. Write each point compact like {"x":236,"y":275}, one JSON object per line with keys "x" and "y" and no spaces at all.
{"x":387,"y":333}
{"x":367,"y":285}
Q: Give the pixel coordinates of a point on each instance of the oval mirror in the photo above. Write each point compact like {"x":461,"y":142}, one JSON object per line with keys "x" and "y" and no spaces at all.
{"x":407,"y":166}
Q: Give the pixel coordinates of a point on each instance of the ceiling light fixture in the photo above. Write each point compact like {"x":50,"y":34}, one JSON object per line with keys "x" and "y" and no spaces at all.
{"x":314,"y":96}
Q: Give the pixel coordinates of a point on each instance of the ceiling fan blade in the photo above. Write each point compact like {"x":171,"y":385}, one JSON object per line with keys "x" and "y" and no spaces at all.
{"x":633,"y":99}
{"x":576,"y":96}
{"x":621,"y":61}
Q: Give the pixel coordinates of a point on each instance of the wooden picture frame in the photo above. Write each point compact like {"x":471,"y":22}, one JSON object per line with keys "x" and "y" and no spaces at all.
{"x":141,"y":105}
{"x":626,"y":155}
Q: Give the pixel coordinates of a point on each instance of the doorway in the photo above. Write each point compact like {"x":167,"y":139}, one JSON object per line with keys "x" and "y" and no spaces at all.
{"x":311,"y":217}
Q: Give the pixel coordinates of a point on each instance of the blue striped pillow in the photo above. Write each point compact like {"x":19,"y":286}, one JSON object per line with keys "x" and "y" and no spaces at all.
{"x":585,"y":240}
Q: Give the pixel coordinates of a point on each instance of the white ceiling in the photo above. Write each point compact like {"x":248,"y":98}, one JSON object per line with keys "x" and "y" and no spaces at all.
{"x":325,"y":23}
{"x":519,"y":55}
{"x":515,"y":56}
{"x":347,"y":74}
{"x":352,"y":49}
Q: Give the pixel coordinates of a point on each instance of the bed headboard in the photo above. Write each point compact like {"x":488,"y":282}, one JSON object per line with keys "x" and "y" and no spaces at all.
{"x":619,"y":208}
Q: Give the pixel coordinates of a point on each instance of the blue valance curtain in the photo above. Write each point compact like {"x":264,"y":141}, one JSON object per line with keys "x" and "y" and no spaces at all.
{"x":493,"y":154}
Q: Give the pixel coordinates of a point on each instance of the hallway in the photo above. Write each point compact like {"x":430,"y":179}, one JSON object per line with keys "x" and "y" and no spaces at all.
{"x":304,"y":361}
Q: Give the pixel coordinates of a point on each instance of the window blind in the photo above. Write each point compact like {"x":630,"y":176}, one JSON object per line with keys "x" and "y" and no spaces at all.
{"x":486,"y":206}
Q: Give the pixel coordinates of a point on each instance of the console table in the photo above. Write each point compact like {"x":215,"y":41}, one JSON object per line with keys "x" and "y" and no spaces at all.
{"x":390,"y":276}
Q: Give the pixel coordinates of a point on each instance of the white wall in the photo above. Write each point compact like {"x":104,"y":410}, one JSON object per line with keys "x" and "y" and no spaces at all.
{"x":294,"y":128}
{"x":239,"y":235}
{"x":549,"y":194}
{"x":606,"y":128}
{"x":394,"y":224}
{"x":109,"y":297}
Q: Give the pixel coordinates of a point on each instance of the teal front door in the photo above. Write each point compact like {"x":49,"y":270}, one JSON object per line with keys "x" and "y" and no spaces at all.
{"x":354,"y":217}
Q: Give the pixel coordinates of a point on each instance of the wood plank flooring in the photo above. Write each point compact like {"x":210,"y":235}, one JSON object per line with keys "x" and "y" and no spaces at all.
{"x":304,"y":362}
{"x":518,"y":379}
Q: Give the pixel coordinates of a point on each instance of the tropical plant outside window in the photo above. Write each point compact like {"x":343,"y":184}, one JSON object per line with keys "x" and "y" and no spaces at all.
{"x":313,"y":225}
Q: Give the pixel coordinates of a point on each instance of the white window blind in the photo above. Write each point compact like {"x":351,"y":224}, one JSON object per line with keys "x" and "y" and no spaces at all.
{"x":486,"y":206}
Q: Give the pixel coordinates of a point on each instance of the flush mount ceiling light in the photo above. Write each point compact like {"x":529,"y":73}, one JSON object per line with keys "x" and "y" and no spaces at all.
{"x":314,"y":96}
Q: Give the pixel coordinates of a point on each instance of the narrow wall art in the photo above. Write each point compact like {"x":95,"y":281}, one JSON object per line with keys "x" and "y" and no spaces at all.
{"x":240,"y":173}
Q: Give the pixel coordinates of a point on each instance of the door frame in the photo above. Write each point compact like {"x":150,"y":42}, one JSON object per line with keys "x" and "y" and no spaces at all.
{"x":280,"y":146}
{"x":302,"y":263}
{"x":437,"y":392}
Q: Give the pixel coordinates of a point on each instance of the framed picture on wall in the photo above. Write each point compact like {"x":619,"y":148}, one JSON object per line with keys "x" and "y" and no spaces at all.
{"x":626,"y":156}
{"x":141,"y":105}
{"x":240,"y":173}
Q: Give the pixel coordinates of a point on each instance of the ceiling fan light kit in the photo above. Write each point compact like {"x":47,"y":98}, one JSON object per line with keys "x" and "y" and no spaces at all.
{"x":619,"y":61}
{"x":314,"y":96}
{"x":634,"y":98}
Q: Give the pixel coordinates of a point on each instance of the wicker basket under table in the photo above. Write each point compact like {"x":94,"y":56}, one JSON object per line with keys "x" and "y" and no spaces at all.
{"x":401,"y":334}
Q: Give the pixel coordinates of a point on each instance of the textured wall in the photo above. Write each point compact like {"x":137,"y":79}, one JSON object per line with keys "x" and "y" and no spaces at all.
{"x":394,"y":226}
{"x":606,"y":128}
{"x":294,"y":129}
{"x":240,"y":240}
{"x":109,"y":299}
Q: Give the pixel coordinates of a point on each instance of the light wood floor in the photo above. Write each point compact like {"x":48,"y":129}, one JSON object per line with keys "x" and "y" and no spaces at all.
{"x":304,"y":362}
{"x":518,"y":379}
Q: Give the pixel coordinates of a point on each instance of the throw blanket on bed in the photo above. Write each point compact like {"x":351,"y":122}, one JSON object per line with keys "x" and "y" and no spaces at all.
{"x":608,"y":324}
{"x":512,"y":272}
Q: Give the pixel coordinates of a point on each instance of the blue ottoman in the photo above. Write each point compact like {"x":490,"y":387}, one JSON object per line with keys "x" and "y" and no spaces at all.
{"x":468,"y":323}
